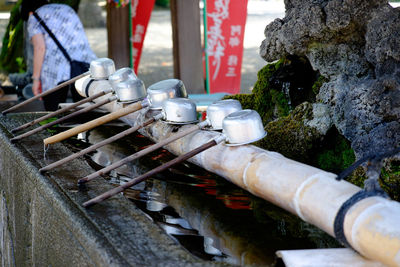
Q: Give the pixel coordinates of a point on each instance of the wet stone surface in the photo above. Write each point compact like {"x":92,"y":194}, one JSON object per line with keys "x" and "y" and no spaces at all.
{"x":182,"y":210}
{"x":50,"y":226}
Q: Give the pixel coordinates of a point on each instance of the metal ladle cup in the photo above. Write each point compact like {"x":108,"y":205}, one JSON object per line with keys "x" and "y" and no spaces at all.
{"x":101,"y":68}
{"x":121,"y":75}
{"x":217,"y":111}
{"x":163,"y":90}
{"x":243,"y":127}
{"x":179,"y":111}
{"x":130,"y":90}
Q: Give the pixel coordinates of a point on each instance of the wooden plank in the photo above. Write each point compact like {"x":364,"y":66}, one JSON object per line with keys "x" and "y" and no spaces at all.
{"x":118,"y":35}
{"x":187,"y":49}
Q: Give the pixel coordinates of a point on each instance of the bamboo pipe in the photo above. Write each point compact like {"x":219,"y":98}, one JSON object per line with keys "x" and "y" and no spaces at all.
{"x":148,"y":174}
{"x":371,"y":226}
{"x":69,"y":116}
{"x":97,"y":122}
{"x":60,"y":111}
{"x":58,"y":87}
{"x":100,"y":144}
{"x":325,"y":257}
{"x":143,"y":152}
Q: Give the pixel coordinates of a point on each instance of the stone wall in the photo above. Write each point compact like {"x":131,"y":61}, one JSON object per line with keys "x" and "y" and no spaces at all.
{"x":42,"y":222}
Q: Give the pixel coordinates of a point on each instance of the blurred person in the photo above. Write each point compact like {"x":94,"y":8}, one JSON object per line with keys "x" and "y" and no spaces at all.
{"x":52,"y":65}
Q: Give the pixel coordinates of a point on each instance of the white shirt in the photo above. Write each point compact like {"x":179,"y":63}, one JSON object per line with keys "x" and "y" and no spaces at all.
{"x":63,"y":21}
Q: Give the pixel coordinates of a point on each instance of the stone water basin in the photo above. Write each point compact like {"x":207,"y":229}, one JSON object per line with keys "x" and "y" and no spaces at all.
{"x":184,"y":216}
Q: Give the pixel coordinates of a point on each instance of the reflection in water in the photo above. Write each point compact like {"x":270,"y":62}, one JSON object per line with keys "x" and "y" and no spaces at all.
{"x":212,"y":218}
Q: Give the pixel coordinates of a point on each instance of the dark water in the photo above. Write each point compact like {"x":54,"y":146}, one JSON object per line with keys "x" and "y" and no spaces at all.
{"x":209,"y":216}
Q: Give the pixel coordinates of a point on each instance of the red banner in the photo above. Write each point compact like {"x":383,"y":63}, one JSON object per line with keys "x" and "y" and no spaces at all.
{"x":225,"y":25}
{"x":140,"y":16}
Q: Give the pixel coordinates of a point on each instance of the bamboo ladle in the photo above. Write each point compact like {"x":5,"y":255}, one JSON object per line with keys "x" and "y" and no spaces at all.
{"x":131,"y":85}
{"x":69,"y":116}
{"x":87,"y":87}
{"x":183,"y":119}
{"x":215,"y":115}
{"x":126,"y":91}
{"x":60,"y":111}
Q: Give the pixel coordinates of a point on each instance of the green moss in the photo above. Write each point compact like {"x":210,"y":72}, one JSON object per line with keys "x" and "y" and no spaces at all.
{"x":335,"y":154}
{"x":269,"y":103}
{"x":390,"y":179}
{"x":281,"y":86}
{"x":291,"y":137}
{"x":318,"y":83}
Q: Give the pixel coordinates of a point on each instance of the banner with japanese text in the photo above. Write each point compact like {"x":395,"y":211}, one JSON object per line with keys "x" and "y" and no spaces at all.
{"x":140,"y":16}
{"x":225,"y":22}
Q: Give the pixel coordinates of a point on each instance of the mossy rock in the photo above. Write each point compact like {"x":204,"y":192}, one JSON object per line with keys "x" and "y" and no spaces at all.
{"x":318,"y":83}
{"x":284,"y":119}
{"x":335,"y":153}
{"x":268,"y":102}
{"x":290,"y":136}
{"x":294,"y":139}
{"x":389,"y":179}
{"x":280,"y":87}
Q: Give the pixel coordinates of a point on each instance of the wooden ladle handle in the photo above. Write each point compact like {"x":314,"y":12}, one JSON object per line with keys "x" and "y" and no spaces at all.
{"x":94,"y":123}
{"x":58,"y":87}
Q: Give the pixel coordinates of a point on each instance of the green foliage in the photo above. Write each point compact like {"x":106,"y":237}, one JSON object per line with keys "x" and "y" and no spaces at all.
{"x":51,"y":129}
{"x":162,"y":3}
{"x":12,"y":49}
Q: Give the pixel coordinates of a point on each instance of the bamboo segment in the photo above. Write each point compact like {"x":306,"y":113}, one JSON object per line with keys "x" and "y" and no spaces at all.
{"x":94,"y":123}
{"x":69,"y":116}
{"x":60,"y":111}
{"x":58,"y":87}
{"x":141,"y":153}
{"x":148,"y":174}
{"x":325,"y":257}
{"x":96,"y":146}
